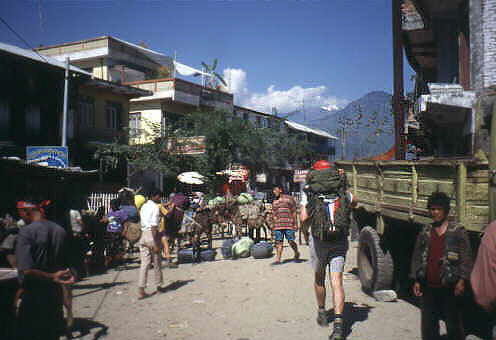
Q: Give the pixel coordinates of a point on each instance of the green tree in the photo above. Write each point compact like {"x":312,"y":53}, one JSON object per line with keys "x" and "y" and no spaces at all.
{"x":228,"y":140}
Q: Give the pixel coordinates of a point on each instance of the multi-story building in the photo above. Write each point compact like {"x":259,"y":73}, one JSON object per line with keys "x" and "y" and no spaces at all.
{"x":110,"y":58}
{"x":31,"y":106}
{"x":450,"y":45}
{"x":151,"y":115}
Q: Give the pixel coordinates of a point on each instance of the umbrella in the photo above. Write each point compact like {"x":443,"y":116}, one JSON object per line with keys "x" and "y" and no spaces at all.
{"x":191,"y":177}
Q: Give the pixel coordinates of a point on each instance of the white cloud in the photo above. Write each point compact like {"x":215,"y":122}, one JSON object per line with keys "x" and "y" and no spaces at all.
{"x":236,"y":81}
{"x":293,"y":99}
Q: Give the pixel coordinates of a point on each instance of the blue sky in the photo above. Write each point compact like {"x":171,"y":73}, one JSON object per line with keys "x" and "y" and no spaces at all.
{"x":283,"y":53}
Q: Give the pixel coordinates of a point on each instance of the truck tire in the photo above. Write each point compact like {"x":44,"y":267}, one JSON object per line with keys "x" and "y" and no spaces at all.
{"x":375,"y":267}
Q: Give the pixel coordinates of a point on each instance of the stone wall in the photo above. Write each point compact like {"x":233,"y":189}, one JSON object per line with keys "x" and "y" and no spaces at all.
{"x":489,"y":31}
{"x":483,"y":43}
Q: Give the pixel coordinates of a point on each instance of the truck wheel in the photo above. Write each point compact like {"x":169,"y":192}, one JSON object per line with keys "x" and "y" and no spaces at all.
{"x":375,"y":267}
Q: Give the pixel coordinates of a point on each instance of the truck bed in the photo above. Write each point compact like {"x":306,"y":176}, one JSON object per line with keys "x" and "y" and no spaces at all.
{"x":399,"y":189}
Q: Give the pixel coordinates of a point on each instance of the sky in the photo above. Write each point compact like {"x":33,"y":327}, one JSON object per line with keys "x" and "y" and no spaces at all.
{"x":287,"y":54}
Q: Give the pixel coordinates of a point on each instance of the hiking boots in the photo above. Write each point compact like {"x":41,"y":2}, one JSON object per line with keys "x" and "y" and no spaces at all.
{"x":322,"y":319}
{"x":338,"y":331}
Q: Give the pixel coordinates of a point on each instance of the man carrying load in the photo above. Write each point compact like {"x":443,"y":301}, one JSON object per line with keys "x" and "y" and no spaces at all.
{"x":326,"y":211}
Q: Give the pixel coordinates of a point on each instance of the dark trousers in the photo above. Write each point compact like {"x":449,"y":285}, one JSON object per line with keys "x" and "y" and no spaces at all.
{"x":41,"y":316}
{"x":441,"y":304}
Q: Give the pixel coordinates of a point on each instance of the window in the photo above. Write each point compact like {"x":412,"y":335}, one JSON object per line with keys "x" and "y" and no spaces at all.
{"x":113,"y":113}
{"x":4,"y":120}
{"x":265,"y":122}
{"x":246,"y":116}
{"x":87,"y":112}
{"x":172,"y":122}
{"x":135,"y":125}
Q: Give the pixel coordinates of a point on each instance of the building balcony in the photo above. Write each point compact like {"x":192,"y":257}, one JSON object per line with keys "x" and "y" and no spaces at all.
{"x":183,"y":92}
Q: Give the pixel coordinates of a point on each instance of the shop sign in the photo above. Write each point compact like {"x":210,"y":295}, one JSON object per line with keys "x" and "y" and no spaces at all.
{"x":53,"y":156}
{"x":187,"y":145}
{"x":300,"y":176}
{"x":261,"y":178}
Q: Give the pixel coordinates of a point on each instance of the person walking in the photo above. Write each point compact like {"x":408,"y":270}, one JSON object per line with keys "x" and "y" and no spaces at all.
{"x":441,"y":265}
{"x":483,"y":277}
{"x":325,"y":209}
{"x":284,"y":214}
{"x":173,"y":215}
{"x":42,"y":255}
{"x":149,"y":243}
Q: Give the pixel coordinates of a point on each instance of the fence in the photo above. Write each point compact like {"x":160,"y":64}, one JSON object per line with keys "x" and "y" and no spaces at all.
{"x":97,"y":200}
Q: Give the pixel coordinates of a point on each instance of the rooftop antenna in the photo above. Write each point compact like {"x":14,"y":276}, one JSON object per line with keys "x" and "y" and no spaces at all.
{"x":174,"y":66}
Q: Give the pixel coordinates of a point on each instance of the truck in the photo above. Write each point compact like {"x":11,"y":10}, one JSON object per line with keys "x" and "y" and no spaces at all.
{"x":392,"y":207}
{"x":448,"y":116}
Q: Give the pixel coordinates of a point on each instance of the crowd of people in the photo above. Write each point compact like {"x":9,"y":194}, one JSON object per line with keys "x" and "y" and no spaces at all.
{"x":442,"y":266}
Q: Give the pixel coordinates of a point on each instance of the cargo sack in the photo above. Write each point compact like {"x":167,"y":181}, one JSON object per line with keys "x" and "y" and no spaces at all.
{"x":244,"y":198}
{"x":262,"y":250}
{"x":186,"y":255}
{"x":242,"y":247}
{"x":329,"y":216}
{"x":226,"y":249}
{"x":325,"y":181}
{"x":132,"y":231}
{"x":249,"y":211}
{"x":208,"y":254}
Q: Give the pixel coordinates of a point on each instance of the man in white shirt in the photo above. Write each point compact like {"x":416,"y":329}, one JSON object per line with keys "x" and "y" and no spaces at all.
{"x":149,"y":242}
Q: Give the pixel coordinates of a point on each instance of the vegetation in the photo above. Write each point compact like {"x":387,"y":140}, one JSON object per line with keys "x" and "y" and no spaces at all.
{"x":214,"y":78}
{"x":228,"y":140}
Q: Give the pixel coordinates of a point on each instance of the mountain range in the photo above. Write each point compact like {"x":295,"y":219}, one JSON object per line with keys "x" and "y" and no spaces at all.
{"x":367,"y":123}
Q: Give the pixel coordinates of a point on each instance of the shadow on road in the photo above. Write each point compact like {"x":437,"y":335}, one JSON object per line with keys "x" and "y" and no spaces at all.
{"x":352,"y":313}
{"x":175,"y":285}
{"x":97,"y":287}
{"x":83,"y":327}
{"x":294,"y":260}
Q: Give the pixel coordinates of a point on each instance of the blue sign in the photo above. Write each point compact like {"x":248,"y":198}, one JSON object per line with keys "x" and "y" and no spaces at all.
{"x":56,"y":156}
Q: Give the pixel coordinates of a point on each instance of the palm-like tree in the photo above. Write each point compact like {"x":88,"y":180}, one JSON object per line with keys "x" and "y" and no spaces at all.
{"x":214,"y":76}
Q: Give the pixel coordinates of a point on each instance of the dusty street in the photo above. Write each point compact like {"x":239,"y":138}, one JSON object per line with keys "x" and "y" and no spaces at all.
{"x":226,"y":299}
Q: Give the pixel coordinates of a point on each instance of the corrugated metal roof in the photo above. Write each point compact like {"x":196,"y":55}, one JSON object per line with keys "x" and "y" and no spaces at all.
{"x":34,"y":56}
{"x":303,"y":128}
{"x":157,"y":57}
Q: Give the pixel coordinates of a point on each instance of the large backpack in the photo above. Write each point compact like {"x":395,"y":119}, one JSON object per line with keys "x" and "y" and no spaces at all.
{"x":326,"y":192}
{"x":327,"y":181}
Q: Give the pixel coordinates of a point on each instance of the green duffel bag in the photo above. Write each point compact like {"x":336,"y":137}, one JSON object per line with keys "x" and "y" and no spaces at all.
{"x":324,"y":181}
{"x":244,"y":198}
{"x":242,"y":248}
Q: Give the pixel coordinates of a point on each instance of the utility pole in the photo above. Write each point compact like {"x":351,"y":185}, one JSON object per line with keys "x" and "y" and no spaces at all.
{"x":66,"y":99}
{"x":398,"y":94}
{"x":343,"y":143}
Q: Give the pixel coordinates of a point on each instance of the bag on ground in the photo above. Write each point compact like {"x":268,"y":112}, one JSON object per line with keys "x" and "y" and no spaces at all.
{"x":262,"y":250}
{"x":242,"y":247}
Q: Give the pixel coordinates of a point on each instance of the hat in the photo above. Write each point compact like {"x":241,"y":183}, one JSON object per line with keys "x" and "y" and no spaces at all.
{"x":322,"y":164}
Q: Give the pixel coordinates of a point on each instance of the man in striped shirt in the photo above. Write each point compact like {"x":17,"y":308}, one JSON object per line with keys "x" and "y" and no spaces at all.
{"x":284,"y":212}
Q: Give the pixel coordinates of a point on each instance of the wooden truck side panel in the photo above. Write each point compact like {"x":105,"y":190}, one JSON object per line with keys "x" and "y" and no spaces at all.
{"x":400,"y":189}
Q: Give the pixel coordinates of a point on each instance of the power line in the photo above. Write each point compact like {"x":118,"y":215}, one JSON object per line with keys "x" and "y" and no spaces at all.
{"x":21,"y":38}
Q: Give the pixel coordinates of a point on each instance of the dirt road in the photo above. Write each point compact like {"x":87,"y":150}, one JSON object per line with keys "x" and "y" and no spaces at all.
{"x":233,"y":300}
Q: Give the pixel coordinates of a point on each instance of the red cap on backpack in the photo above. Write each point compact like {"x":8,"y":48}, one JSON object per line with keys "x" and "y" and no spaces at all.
{"x":322,"y":164}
